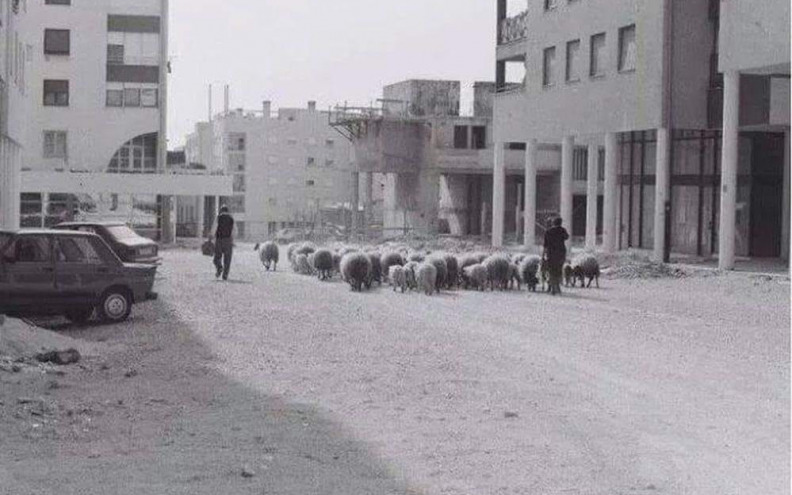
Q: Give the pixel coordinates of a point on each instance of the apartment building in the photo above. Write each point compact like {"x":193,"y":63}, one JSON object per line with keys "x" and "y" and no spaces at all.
{"x":289,"y":168}
{"x":628,"y":98}
{"x":95,"y":144}
{"x":14,"y":92}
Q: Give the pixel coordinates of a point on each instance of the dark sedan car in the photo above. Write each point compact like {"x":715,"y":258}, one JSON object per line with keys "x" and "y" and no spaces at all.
{"x":44,"y":272}
{"x":127,"y":244}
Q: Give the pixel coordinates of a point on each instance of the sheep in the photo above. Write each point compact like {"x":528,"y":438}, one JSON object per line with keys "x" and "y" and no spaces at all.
{"x":290,"y":251}
{"x":269,"y":254}
{"x":410,"y":270}
{"x":375,"y":274}
{"x":544,"y":273}
{"x":476,"y":276}
{"x":390,"y":259}
{"x":585,"y":267}
{"x":398,"y":278}
{"x":481,"y":257}
{"x":442,"y":270}
{"x":498,"y":270}
{"x":337,"y":262}
{"x":452,"y":266}
{"x":355,"y":268}
{"x":514,"y":276}
{"x":323,"y":263}
{"x":529,"y":269}
{"x":346,"y":250}
{"x":306,"y":248}
{"x":302,"y":265}
{"x":569,"y":276}
{"x":416,"y":257}
{"x":518,"y":258}
{"x":465,"y":261}
{"x":426,"y":278}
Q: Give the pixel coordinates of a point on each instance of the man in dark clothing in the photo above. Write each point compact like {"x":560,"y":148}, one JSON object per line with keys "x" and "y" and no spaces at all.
{"x":555,"y":254}
{"x":224,"y":243}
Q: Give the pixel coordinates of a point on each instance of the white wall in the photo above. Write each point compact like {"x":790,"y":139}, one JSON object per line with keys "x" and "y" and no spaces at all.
{"x":754,"y":34}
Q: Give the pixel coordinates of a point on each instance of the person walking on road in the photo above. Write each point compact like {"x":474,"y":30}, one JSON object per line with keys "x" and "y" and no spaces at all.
{"x":224,"y":243}
{"x":555,"y":254}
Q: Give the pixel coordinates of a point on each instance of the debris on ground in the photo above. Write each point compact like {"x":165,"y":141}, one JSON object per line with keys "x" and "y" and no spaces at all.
{"x":644,"y":270}
{"x":61,"y":358}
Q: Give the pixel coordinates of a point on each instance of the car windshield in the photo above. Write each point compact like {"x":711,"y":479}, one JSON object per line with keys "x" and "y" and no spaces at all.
{"x":121,"y":232}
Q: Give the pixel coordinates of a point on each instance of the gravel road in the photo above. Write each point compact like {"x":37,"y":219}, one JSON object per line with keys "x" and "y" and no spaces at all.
{"x":643,"y":386}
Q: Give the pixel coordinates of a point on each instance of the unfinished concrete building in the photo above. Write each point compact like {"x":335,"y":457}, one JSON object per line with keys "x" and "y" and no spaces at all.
{"x":436,"y":164}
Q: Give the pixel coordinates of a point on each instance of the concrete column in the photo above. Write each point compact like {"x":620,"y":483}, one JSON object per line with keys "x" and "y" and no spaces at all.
{"x":591,"y":196}
{"x":729,"y":159}
{"x":529,"y":235}
{"x":498,"y":195}
{"x":199,"y":217}
{"x":368,"y":200}
{"x":662,"y":186}
{"x":567,"y":160}
{"x":785,"y":247}
{"x":610,"y":232}
{"x":355,"y":203}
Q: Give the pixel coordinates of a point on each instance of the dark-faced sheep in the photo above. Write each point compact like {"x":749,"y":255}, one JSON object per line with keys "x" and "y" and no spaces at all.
{"x":585,"y":267}
{"x":476,"y":276}
{"x":452,"y":275}
{"x":269,"y":255}
{"x":464,"y":262}
{"x":398,"y":278}
{"x":306,"y":248}
{"x":375,"y":274}
{"x":323,"y":264}
{"x":498,"y":271}
{"x":355,"y":268}
{"x":426,"y":277}
{"x":442,"y":270}
{"x":529,"y":269}
{"x":390,"y":259}
{"x":410,"y":274}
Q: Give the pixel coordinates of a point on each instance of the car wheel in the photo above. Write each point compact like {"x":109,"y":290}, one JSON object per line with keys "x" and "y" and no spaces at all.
{"x":115,"y":305}
{"x":80,"y":315}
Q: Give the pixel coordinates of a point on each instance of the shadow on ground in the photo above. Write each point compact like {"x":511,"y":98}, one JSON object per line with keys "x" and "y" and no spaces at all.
{"x":154,"y":415}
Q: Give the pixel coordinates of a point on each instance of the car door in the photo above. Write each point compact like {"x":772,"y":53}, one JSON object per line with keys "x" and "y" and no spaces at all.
{"x":30,"y":273}
{"x":86,"y":270}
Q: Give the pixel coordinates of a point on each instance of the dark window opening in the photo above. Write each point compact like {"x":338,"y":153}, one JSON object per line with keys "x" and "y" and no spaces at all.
{"x":461,"y":137}
{"x":57,"y":41}
{"x":56,"y":93}
{"x":479,"y":137}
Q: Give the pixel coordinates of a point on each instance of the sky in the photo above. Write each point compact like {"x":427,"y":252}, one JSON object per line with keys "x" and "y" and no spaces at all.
{"x":293,"y":51}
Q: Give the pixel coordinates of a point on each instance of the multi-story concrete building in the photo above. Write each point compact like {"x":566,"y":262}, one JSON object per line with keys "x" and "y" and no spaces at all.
{"x":14,"y":92}
{"x":96,"y":141}
{"x":289,"y":168}
{"x":628,"y":95}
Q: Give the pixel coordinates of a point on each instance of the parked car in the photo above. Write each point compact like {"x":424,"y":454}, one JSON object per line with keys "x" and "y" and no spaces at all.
{"x":50,"y":272}
{"x":127,"y":244}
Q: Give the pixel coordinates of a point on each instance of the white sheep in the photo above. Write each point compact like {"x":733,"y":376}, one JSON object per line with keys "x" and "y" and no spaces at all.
{"x":477,"y":276}
{"x":398,"y":278}
{"x":426,"y":278}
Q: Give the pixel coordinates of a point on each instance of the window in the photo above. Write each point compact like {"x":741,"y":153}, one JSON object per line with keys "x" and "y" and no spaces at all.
{"x":548,"y":78}
{"x":239,"y":183}
{"x":329,"y":163}
{"x":236,"y":141}
{"x":57,"y":2}
{"x":311,"y":162}
{"x":77,"y":250}
{"x":55,"y":144}
{"x":115,"y":54}
{"x":56,"y":93}
{"x":131,"y":97}
{"x":573,"y":61}
{"x":292,"y":141}
{"x":460,"y":137}
{"x":597,"y":56}
{"x":550,"y":4}
{"x":115,"y":98}
{"x":310,"y":183}
{"x":57,"y":41}
{"x":627,"y":48}
{"x":330,"y":143}
{"x":32,"y":249}
{"x":237,"y":162}
{"x":149,"y":97}
{"x":479,"y":137}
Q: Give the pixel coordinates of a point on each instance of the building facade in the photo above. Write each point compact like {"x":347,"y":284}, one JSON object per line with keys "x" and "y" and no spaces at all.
{"x":627,"y":96}
{"x":289,"y":168}
{"x":95,"y":142}
{"x":14,"y":92}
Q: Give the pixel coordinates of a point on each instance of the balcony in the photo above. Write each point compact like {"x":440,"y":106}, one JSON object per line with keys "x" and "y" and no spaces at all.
{"x":513,"y":29}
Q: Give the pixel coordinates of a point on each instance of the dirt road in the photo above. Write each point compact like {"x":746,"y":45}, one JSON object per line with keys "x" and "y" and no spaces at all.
{"x":661,"y":386}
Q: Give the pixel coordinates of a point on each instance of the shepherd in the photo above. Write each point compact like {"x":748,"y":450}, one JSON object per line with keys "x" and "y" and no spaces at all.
{"x":224,"y":243}
{"x":555,"y":253}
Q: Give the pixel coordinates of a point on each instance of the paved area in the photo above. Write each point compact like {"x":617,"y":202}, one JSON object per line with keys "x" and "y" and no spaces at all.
{"x":643,"y":386}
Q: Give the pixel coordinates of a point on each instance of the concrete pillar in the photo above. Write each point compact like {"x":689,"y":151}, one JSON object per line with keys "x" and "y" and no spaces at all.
{"x":355,"y":203}
{"x":199,"y":217}
{"x":167,"y":220}
{"x":729,"y":159}
{"x":368,"y":199}
{"x":567,"y":160}
{"x":498,"y":195}
{"x":529,"y":235}
{"x":610,"y":232}
{"x":591,"y":196}
{"x":785,"y":247}
{"x":662,"y":186}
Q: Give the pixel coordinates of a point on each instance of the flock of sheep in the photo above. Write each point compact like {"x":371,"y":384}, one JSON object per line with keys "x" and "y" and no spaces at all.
{"x":427,"y":272}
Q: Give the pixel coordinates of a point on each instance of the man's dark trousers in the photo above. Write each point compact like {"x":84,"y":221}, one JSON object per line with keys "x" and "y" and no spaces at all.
{"x":224,"y":249}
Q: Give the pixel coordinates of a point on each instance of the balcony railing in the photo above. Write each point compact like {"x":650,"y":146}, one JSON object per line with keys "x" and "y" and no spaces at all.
{"x":514,"y":28}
